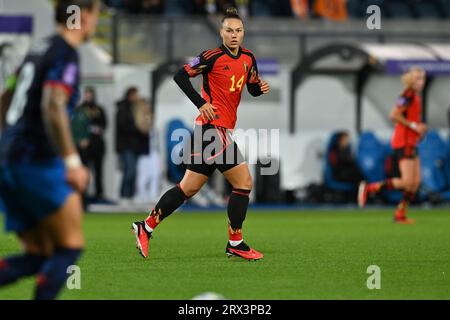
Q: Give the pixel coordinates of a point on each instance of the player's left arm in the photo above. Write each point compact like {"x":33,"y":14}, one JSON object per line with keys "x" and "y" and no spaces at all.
{"x":255,"y":85}
{"x":57,"y":125}
{"x":59,"y":83}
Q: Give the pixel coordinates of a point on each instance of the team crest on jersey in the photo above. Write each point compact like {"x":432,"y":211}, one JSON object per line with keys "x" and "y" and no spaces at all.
{"x":245,"y":67}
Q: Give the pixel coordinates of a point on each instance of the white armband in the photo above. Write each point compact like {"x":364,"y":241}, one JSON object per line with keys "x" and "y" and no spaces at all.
{"x":72,"y":161}
{"x":413,"y":125}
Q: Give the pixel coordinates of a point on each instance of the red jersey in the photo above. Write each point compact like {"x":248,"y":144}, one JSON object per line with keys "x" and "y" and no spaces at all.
{"x":403,"y":135}
{"x":224,"y":78}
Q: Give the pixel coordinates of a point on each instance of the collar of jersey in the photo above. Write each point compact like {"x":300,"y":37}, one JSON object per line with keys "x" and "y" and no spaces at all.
{"x":225,"y":49}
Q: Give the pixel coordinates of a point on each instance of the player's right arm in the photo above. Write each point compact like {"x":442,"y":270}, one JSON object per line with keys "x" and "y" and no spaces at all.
{"x":57,"y":124}
{"x":198,"y":66}
{"x":398,"y":115}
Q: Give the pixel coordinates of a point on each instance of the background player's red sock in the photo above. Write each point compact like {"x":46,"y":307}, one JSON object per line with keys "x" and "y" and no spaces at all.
{"x":400,"y":214}
{"x":169,"y":202}
{"x":237,"y":211}
{"x":379,"y":186}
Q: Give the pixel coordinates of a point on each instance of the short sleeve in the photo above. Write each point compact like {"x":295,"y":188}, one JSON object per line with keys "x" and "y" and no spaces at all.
{"x":63,"y":72}
{"x":197,"y":66}
{"x":405,"y":99}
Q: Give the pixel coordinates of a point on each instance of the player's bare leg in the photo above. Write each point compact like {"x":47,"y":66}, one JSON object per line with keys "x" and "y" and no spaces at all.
{"x":191,"y":183}
{"x":417,"y":175}
{"x":239,"y":177}
{"x":50,"y":248}
{"x":36,"y":241}
{"x":366,"y":189}
{"x":64,"y":231}
{"x":410,"y":172}
{"x":65,"y":225}
{"x":37,"y":247}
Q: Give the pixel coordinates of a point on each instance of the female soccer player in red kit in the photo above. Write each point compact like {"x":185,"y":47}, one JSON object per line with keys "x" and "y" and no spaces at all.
{"x":408,"y":131}
{"x":225,"y":72}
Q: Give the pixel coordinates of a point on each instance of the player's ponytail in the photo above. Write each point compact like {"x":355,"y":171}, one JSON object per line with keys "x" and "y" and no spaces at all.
{"x":231,"y":13}
{"x":408,"y":77}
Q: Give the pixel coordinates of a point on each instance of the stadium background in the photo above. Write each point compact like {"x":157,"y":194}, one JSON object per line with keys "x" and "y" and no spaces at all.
{"x":325,"y":76}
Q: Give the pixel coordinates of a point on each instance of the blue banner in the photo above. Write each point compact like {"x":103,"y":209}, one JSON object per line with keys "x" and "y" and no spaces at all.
{"x":268,"y":67}
{"x":16,"y":24}
{"x":432,"y":67}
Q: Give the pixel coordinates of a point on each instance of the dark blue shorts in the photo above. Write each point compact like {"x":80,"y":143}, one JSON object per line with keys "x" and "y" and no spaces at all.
{"x":32,"y":191}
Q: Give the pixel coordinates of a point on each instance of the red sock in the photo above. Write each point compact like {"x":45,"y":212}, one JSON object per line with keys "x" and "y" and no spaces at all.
{"x":234,"y":235}
{"x":153,"y":219}
{"x":378,"y":186}
{"x":401,"y":209}
{"x":3,"y":265}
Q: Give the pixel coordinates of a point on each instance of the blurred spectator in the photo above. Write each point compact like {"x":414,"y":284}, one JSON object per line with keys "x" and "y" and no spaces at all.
{"x":148,"y":186}
{"x":281,"y":8}
{"x":131,"y":140}
{"x":260,"y":8}
{"x":142,"y":119}
{"x":79,"y":124}
{"x":343,"y":164}
{"x":243,"y":7}
{"x":271,"y":8}
{"x":199,"y":7}
{"x":132,"y":6}
{"x":331,"y":9}
{"x":177,"y":8}
{"x":96,"y":146}
{"x":152,"y":7}
{"x":300,"y":8}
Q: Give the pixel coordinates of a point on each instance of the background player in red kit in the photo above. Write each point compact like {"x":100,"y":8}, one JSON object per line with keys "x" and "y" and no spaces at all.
{"x":407,"y":133}
{"x":225,"y":71}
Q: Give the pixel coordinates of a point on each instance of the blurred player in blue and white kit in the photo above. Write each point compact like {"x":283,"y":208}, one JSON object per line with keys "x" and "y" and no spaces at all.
{"x":41,"y":175}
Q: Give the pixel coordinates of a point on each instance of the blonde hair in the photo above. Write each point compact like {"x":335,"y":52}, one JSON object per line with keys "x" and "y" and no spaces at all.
{"x":408,"y":77}
{"x":142,"y":115}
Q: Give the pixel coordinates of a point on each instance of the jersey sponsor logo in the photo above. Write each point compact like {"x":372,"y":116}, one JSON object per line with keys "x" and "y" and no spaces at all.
{"x":245,"y":67}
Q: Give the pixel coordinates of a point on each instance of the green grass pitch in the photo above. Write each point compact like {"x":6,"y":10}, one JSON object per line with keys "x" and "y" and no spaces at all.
{"x":320,"y":254}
